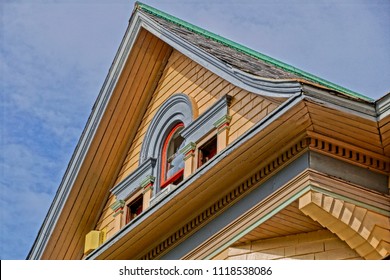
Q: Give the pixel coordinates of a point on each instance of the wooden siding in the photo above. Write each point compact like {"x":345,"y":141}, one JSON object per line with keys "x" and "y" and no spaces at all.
{"x":384,"y":127}
{"x":315,"y":245}
{"x":78,"y":217}
{"x":220,"y":181}
{"x":288,"y":221}
{"x":106,"y":220}
{"x":345,"y":127}
{"x":182,"y":75}
{"x":366,"y":231}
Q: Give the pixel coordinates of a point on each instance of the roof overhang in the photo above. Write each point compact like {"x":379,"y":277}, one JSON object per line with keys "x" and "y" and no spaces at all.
{"x":290,"y":123}
{"x":357,"y":216}
{"x":220,"y":175}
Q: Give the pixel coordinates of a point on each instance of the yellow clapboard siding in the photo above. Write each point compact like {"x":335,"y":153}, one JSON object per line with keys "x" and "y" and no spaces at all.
{"x":249,"y":113}
{"x":131,"y":161}
{"x":241,"y":125}
{"x":54,"y":246}
{"x":106,"y":217}
{"x":112,"y":149}
{"x":321,"y":244}
{"x":183,"y":75}
{"x":206,"y":84}
{"x":339,"y":126}
{"x":135,"y":83}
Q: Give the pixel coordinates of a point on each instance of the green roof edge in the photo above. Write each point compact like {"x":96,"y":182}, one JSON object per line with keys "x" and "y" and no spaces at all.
{"x":248,"y":51}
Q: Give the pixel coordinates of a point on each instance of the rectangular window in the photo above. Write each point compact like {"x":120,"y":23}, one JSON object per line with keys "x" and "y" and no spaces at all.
{"x":134,"y":208}
{"x":207,"y":151}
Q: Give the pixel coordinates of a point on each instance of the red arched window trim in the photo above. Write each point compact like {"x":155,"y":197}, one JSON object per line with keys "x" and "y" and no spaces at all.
{"x":166,"y":181}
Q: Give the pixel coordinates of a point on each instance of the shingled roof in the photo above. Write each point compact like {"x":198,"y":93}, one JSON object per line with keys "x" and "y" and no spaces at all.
{"x":236,"y":55}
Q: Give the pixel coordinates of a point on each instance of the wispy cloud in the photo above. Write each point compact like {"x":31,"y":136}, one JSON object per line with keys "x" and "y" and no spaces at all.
{"x":53,"y":59}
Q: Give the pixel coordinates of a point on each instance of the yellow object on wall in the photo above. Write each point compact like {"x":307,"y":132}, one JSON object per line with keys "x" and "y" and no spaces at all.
{"x":94,"y":239}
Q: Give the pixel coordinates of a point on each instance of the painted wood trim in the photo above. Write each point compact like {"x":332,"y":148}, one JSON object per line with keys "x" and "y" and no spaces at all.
{"x":349,"y":153}
{"x":383,"y":107}
{"x":307,"y":181}
{"x":202,"y":125}
{"x":164,"y":160}
{"x":364,"y":231}
{"x":226,"y":200}
{"x":364,"y":109}
{"x":178,"y":108}
{"x":62,"y":203}
{"x":133,"y":182}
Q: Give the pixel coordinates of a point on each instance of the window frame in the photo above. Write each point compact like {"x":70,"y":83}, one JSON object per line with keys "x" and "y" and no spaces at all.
{"x":136,"y":196}
{"x":164,"y":182}
{"x":201,"y":145}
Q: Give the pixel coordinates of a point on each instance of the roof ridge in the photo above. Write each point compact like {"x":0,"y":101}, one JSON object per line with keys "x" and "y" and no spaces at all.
{"x":241,"y":48}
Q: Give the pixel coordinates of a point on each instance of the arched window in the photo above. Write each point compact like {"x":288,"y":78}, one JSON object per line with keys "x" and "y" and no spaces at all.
{"x":172,"y":161}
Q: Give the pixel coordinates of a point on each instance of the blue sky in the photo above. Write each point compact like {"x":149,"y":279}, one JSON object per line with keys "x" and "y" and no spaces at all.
{"x":55,"y":55}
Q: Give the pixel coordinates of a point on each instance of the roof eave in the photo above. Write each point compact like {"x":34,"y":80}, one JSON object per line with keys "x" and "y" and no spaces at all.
{"x":383,"y":106}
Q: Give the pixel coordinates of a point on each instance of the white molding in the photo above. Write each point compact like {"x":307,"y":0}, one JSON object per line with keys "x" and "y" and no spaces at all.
{"x":383,"y":107}
{"x":132,"y":182}
{"x":177,"y":108}
{"x":363,"y":109}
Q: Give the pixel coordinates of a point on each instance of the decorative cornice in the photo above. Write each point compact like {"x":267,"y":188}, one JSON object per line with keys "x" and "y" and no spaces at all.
{"x":223,"y":121}
{"x":231,"y":197}
{"x":178,"y":108}
{"x":189,"y":148}
{"x":117,"y":207}
{"x":364,"y":231}
{"x":349,"y":153}
{"x":133,"y":182}
{"x":147,"y":182}
{"x":254,"y":180}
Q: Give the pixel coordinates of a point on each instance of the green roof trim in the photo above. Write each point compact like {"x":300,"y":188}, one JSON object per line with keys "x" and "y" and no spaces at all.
{"x":248,"y":51}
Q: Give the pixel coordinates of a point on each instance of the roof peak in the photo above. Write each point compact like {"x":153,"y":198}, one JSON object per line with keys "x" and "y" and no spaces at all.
{"x":241,"y":48}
